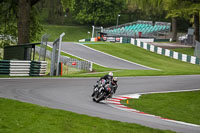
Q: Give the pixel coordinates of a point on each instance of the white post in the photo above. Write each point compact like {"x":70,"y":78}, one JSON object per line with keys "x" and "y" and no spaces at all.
{"x":91,"y":65}
{"x":118,"y":18}
{"x":60,"y":44}
{"x":93,"y":31}
{"x":101,"y":29}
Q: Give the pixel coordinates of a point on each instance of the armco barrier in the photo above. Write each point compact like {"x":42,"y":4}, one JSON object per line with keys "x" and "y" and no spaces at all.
{"x":166,"y":52}
{"x":21,"y":68}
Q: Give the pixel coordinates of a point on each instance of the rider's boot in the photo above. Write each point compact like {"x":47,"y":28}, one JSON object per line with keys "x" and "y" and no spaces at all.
{"x":95,"y":89}
{"x":110,"y":96}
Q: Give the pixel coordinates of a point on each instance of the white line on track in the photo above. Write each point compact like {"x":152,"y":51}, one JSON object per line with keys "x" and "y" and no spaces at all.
{"x":80,"y":57}
{"x":117,"y":57}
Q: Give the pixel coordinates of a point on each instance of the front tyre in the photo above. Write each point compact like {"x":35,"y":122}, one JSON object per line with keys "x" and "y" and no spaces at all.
{"x":100,"y":97}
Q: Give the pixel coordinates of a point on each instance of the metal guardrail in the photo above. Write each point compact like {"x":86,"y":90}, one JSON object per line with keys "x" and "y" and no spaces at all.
{"x":20,"y":68}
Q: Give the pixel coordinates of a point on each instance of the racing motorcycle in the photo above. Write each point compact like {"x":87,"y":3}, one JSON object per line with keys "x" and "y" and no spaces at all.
{"x":102,"y":91}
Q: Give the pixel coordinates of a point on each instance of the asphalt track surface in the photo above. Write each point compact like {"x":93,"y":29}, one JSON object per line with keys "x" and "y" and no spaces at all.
{"x":73,"y":94}
{"x":98,"y":57}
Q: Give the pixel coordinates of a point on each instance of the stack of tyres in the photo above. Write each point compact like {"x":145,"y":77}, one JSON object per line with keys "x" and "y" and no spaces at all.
{"x":38,"y":68}
{"x":4,"y":67}
{"x":14,"y":67}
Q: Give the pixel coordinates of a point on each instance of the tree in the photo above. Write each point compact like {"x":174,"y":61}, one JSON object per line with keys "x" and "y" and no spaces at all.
{"x":187,"y":9}
{"x":24,"y":20}
{"x":95,"y":12}
{"x":192,"y":8}
{"x":172,"y":7}
{"x":7,"y":21}
{"x":131,"y":8}
{"x":19,"y":19}
{"x":153,"y":9}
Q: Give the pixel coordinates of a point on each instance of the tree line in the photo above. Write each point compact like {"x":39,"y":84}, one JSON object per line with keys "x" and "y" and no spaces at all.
{"x":21,"y":18}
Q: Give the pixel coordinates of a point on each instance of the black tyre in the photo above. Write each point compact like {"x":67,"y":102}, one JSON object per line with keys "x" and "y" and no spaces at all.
{"x":100,"y":97}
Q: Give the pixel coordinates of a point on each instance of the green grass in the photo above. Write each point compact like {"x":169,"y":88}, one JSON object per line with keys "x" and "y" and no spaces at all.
{"x":72,"y":33}
{"x":166,"y":65}
{"x":182,"y":106}
{"x":21,"y":117}
{"x":188,"y":51}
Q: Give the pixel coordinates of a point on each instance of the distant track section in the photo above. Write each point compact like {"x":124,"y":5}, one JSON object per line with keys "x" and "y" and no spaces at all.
{"x":99,"y":57}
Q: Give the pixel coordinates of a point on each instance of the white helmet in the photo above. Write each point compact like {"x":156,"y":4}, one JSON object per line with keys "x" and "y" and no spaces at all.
{"x":110,"y":74}
{"x":114,"y":80}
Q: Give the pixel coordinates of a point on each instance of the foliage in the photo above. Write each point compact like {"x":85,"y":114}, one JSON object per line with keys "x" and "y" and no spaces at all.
{"x":181,"y":8}
{"x":35,"y":27}
{"x":95,"y":12}
{"x":152,"y":9}
{"x":8,"y":22}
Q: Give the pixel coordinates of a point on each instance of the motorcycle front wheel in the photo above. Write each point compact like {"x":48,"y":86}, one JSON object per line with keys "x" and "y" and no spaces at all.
{"x":100,"y":97}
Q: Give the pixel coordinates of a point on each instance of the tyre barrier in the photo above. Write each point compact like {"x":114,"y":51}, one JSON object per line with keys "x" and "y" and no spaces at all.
{"x":22,"y":68}
{"x":38,"y":68}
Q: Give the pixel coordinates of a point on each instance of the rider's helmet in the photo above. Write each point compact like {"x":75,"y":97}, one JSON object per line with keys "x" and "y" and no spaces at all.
{"x":114,"y":80}
{"x":110,"y":74}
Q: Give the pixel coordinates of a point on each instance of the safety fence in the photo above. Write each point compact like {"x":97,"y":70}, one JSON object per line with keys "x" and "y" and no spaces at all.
{"x":22,"y":68}
{"x":70,"y":62}
{"x":75,"y":63}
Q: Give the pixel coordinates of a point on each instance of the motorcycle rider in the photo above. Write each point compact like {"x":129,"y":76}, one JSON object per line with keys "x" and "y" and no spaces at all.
{"x":113,"y":86}
{"x":108,"y":77}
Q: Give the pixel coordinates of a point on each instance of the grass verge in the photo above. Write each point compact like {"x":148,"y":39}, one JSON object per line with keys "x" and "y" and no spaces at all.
{"x":188,"y":51}
{"x":72,"y":33}
{"x":166,"y":65}
{"x":181,"y":106}
{"x":24,"y":117}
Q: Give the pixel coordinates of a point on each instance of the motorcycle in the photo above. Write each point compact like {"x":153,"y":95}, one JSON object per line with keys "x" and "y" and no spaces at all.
{"x":101,"y":91}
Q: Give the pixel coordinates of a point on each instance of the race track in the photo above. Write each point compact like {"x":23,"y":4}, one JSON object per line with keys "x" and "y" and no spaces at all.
{"x":73,"y":94}
{"x":99,"y":58}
